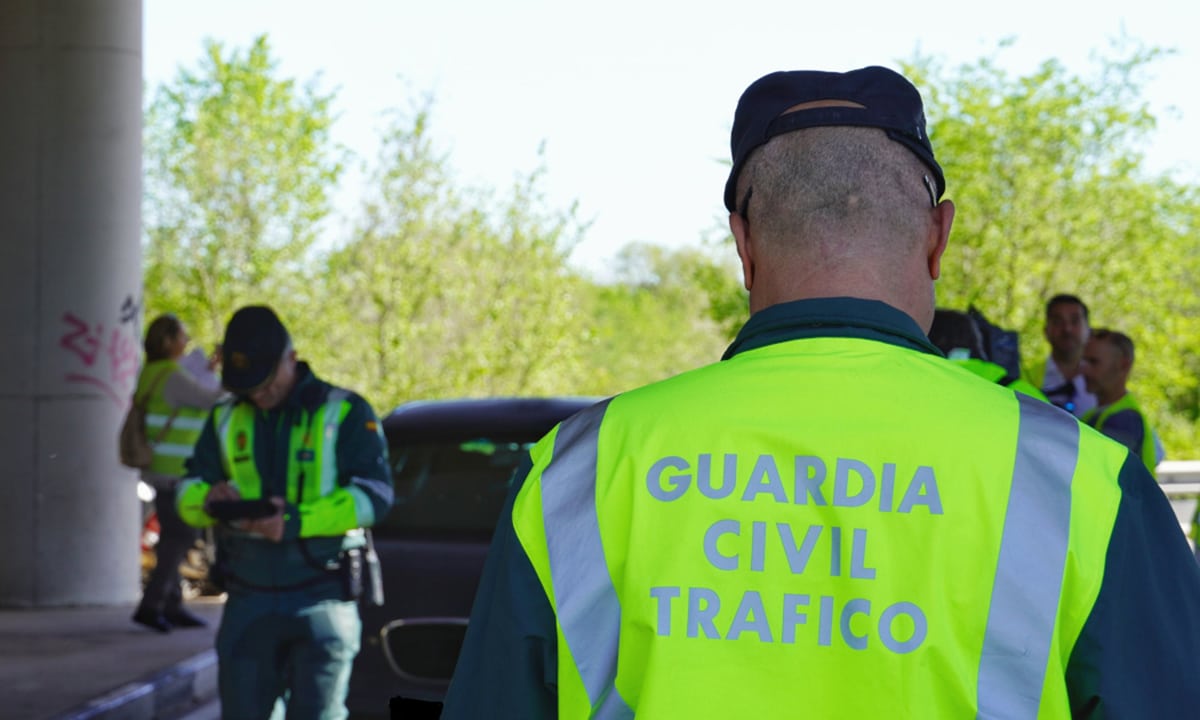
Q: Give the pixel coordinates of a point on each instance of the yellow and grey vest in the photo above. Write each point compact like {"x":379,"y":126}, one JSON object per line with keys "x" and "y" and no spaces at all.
{"x":816,"y":523}
{"x":1096,"y":418}
{"x":173,"y":447}
{"x":327,"y":509}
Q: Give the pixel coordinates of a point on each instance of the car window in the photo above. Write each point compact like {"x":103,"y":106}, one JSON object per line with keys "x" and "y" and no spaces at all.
{"x":450,"y":487}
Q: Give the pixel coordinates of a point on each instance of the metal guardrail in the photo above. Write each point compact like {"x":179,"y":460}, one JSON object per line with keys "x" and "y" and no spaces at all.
{"x":1179,"y":477}
{"x":1180,"y":481}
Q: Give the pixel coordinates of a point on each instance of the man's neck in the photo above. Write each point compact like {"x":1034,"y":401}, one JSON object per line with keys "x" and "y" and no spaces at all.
{"x":1104,"y":399}
{"x":1068,"y":365}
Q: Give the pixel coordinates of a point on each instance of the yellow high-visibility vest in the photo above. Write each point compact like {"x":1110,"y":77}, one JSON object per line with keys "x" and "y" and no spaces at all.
{"x":839,"y":525}
{"x":172,"y":431}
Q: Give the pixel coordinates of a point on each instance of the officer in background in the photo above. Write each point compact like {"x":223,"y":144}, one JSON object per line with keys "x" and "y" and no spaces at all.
{"x":834,"y":521}
{"x":1107,"y":362}
{"x":315,"y":456}
{"x":956,"y":334}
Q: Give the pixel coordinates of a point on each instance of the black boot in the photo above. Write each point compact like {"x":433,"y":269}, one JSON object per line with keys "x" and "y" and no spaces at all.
{"x":152,"y":620}
{"x":180,"y":617}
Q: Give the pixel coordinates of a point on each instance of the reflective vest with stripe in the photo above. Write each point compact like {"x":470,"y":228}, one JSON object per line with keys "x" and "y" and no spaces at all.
{"x":327,"y":509}
{"x":174,"y":447}
{"x":835,"y":525}
{"x":1127,"y":402}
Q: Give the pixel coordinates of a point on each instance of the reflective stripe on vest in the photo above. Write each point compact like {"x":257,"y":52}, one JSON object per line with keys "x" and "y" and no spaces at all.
{"x":587,"y":605}
{"x":1033,"y":553}
{"x":235,"y":427}
{"x":327,"y":455}
{"x":1025,"y":593}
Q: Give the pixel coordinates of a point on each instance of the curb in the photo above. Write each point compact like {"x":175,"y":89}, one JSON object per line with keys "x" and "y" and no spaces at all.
{"x":166,"y":694}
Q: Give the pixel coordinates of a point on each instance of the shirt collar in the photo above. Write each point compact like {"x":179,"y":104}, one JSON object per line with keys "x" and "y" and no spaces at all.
{"x":830,"y":317}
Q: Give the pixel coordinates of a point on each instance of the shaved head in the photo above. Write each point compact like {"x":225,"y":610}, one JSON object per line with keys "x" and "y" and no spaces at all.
{"x":840,"y":211}
{"x":835,"y":192}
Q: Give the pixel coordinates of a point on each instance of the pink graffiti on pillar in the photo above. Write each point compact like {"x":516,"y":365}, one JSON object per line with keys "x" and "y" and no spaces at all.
{"x":108,"y":361}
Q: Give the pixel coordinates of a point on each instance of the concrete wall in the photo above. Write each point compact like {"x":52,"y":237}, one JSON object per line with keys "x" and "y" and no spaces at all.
{"x":70,"y":296}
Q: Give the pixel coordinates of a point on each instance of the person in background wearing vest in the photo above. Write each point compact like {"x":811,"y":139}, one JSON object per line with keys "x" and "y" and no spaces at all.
{"x":956,"y":335}
{"x":316,"y":453}
{"x":1107,"y":362}
{"x":833,"y":522}
{"x":1060,"y":376}
{"x":175,"y":413}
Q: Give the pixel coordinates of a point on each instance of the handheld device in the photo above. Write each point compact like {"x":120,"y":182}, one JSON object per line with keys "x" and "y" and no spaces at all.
{"x":228,"y":510}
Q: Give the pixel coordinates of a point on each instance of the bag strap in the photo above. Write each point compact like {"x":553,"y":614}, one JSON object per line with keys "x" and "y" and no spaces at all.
{"x":166,"y":428}
{"x":162,"y":376}
{"x":150,"y":390}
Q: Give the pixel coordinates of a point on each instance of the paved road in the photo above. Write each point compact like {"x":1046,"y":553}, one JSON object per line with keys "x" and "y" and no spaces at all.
{"x":52,"y":661}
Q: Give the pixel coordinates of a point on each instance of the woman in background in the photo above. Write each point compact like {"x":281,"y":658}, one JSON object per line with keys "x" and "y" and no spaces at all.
{"x":176,"y":408}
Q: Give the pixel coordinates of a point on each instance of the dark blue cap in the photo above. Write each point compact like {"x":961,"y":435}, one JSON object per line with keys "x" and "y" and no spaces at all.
{"x":889,"y":102}
{"x":254,"y":342}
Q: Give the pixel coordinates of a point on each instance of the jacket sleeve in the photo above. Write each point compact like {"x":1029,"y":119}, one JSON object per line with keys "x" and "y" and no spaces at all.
{"x":508,"y":666}
{"x":1136,"y":655}
{"x":364,"y":481}
{"x":204,"y":469}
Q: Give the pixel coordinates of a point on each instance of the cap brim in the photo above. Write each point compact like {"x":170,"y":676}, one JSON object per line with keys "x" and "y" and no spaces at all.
{"x":248,"y":381}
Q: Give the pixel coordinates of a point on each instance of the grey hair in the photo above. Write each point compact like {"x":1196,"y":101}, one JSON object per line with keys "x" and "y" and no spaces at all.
{"x":846,"y":189}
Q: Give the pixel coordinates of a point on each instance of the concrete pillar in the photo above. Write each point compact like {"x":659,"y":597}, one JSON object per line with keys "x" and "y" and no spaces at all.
{"x":70,"y":297}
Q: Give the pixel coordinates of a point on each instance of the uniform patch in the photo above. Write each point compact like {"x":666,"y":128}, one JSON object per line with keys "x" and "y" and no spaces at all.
{"x":372,"y":425}
{"x":240,"y":441}
{"x":305,"y":455}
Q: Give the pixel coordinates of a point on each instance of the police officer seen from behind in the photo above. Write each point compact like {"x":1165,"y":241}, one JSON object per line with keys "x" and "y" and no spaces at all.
{"x":832,"y":522}
{"x":315,"y":455}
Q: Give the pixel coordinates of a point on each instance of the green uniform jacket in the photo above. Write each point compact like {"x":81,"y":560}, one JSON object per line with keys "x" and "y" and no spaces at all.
{"x":316,"y":529}
{"x":1123,"y":639}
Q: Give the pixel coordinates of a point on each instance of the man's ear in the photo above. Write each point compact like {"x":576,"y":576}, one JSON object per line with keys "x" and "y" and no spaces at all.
{"x":939,"y":236}
{"x":741,"y":237}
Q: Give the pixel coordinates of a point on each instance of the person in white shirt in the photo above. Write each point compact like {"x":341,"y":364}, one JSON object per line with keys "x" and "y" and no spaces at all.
{"x":1060,"y":377}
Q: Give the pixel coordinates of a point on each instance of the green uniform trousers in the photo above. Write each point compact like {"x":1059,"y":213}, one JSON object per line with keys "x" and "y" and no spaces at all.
{"x":284,"y":655}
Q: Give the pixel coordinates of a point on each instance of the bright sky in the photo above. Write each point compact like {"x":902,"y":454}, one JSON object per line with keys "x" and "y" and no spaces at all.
{"x":634,"y":100}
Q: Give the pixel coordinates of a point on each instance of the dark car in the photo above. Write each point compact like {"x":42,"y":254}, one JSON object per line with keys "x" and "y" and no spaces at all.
{"x":452,"y":465}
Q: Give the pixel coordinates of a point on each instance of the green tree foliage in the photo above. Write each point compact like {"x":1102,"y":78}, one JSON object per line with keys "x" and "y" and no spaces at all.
{"x":1048,"y":176}
{"x":658,"y":318}
{"x":438,"y":291}
{"x":238,"y":177}
{"x":444,"y":292}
